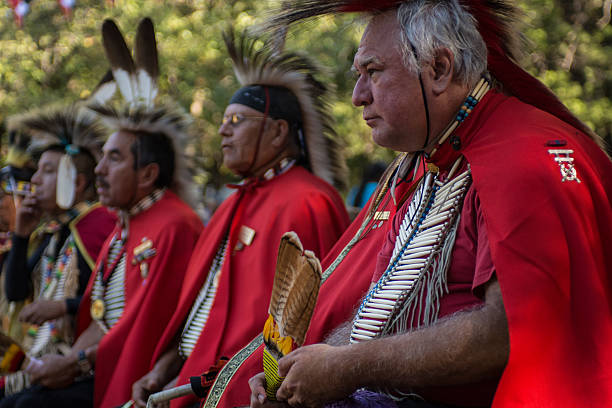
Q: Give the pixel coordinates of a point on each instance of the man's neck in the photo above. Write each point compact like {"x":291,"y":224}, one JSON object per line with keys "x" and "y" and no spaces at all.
{"x":446,"y":113}
{"x":138,"y":196}
{"x":261,"y":170}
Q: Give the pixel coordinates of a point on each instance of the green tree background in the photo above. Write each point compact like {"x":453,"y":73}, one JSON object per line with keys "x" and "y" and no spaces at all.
{"x":57,"y":59}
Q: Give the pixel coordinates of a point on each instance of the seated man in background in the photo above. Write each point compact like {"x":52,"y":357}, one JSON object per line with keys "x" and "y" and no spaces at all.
{"x":74,"y":229}
{"x":135,"y":284}
{"x":277,"y":135}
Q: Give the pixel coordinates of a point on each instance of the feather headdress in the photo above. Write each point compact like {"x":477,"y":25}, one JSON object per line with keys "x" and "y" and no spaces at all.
{"x":136,"y":79}
{"x":269,"y":67}
{"x":497,"y":23}
{"x":70,"y":129}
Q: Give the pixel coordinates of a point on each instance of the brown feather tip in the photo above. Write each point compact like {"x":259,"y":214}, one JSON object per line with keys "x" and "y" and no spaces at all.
{"x":116,"y":49}
{"x":145,"y":48}
{"x":295,"y":288}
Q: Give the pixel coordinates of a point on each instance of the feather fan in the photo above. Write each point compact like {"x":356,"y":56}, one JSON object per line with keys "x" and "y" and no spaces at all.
{"x":269,"y":66}
{"x":294,"y":295}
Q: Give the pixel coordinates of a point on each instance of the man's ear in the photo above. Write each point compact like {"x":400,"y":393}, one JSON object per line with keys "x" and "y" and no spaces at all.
{"x":281,"y":133}
{"x":147,"y":176}
{"x":80,"y":185}
{"x":442,"y":70}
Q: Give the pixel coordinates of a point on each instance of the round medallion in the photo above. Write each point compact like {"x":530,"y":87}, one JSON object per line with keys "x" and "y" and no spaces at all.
{"x":97,"y":309}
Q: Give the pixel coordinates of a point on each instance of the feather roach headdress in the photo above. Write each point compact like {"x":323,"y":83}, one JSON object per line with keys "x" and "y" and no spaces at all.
{"x":269,"y":68}
{"x":497,"y":23}
{"x":136,"y":79}
{"x":19,"y":164}
{"x":70,"y":129}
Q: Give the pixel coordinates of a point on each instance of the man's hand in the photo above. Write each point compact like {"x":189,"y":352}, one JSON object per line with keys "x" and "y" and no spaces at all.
{"x":151,"y":383}
{"x":163,"y":376}
{"x":56,"y":371}
{"x":27,"y":216}
{"x":42,"y":310}
{"x":258,"y":394}
{"x":315,"y":375}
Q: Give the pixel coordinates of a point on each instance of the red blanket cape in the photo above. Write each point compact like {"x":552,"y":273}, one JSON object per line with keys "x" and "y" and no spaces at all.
{"x":338,"y":297}
{"x":125,"y":351}
{"x":293,"y":201}
{"x":550,"y":243}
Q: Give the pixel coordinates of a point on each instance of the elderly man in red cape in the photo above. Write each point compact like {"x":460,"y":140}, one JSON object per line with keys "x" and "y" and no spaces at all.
{"x":135,"y":285}
{"x":343,"y":284}
{"x":276,"y":134}
{"x":494,"y":273}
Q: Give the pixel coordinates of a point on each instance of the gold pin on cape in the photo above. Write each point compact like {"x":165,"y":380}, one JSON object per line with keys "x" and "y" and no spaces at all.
{"x":97,"y":309}
{"x":146,"y":244}
{"x":245,"y":237}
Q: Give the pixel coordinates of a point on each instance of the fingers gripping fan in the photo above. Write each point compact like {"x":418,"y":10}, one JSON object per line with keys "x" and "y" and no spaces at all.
{"x":294,"y":295}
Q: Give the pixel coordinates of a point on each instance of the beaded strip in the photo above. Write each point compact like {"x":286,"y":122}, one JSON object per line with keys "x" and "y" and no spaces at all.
{"x":54,"y":280}
{"x":201,"y":308}
{"x":113,"y":292}
{"x":478,"y":92}
{"x":418,"y":264}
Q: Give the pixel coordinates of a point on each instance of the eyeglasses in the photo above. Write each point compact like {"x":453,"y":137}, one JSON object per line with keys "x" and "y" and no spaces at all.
{"x":237,"y":118}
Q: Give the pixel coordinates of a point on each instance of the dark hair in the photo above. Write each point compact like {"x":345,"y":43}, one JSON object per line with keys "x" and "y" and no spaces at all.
{"x":154,"y":147}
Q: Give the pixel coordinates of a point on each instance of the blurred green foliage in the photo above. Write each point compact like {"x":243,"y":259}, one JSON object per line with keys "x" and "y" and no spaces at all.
{"x":53,"y":58}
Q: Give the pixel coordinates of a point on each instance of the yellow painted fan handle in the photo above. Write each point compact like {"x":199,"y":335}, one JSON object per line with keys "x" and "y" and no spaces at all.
{"x":273,"y":381}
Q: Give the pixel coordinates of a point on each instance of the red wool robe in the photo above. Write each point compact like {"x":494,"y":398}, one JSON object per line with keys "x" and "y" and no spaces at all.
{"x":550,"y":244}
{"x":292,"y":201}
{"x":340,"y":294}
{"x":125,"y":351}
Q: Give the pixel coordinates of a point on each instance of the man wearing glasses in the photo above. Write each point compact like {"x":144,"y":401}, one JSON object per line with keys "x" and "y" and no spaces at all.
{"x":277,"y":138}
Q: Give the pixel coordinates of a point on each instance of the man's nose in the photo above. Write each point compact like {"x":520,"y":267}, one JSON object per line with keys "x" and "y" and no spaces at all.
{"x":225,"y":129}
{"x":361,"y":93}
{"x":100,"y":168}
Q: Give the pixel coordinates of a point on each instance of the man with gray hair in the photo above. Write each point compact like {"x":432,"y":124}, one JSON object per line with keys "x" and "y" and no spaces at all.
{"x":493,"y":274}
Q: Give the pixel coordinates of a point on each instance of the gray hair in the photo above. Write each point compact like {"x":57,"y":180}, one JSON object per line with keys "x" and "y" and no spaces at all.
{"x":429,"y":25}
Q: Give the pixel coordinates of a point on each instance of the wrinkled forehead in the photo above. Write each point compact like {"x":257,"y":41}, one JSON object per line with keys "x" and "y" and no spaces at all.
{"x":119,"y":141}
{"x":234,"y":108}
{"x":380,"y":38}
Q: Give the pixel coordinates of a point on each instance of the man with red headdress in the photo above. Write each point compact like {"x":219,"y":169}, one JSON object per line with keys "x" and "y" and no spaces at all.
{"x":276,"y":134}
{"x":494,"y":273}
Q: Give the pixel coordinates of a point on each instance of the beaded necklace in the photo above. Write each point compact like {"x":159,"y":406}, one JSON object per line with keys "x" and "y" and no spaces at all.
{"x":114,"y":262}
{"x":415,"y":278}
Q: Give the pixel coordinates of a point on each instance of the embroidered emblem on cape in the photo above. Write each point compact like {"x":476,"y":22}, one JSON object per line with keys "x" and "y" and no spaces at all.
{"x":382,"y":215}
{"x":407,"y":294}
{"x":566,"y":164}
